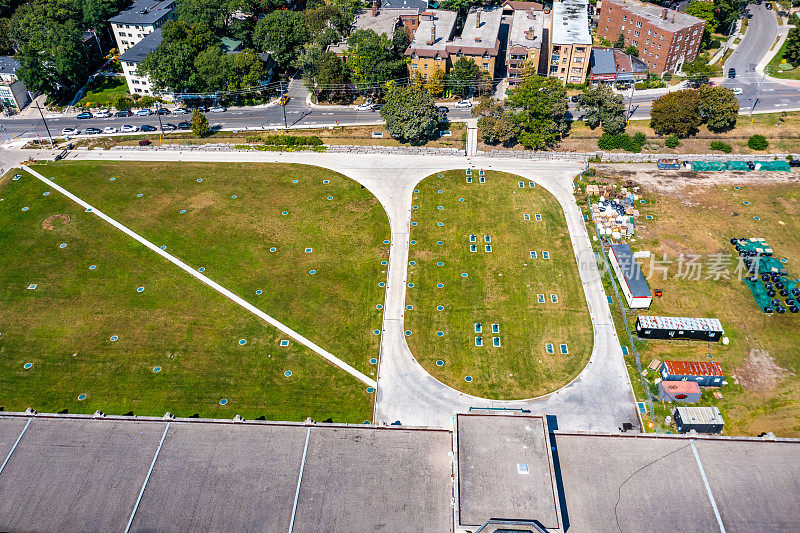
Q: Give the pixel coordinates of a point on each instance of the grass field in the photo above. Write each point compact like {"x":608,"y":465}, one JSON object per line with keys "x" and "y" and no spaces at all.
{"x":104,"y":91}
{"x":763,"y":359}
{"x":502,"y":287}
{"x":64,"y":326}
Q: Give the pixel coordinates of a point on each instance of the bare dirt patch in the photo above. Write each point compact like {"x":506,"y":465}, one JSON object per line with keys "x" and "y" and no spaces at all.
{"x":48,"y":222}
{"x":760,"y":372}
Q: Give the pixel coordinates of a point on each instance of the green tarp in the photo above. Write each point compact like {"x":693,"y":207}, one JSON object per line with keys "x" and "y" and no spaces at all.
{"x":708,"y":165}
{"x":773,"y":165}
{"x":737,"y":165}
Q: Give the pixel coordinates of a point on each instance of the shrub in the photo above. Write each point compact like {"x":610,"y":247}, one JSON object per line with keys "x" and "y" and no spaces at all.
{"x":672,"y":141}
{"x":666,"y":76}
{"x":292,"y":140}
{"x":624,"y":141}
{"x":639,"y":85}
{"x":145,"y":101}
{"x":758,"y":142}
{"x":199,"y":123}
{"x":721,"y":146}
{"x":639,"y":138}
{"x":253,"y":138}
{"x":123,"y":103}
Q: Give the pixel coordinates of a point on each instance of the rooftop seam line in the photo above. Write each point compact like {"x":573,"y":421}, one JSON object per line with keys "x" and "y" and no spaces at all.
{"x":214,"y":285}
{"x":708,"y":487}
{"x":15,"y":445}
{"x":299,"y":480}
{"x":146,"y":479}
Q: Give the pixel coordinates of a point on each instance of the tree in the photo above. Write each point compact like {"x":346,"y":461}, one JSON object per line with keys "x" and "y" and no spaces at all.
{"x":632,"y":51}
{"x":48,"y":38}
{"x":676,"y":113}
{"x":463,"y":76}
{"x":539,"y":111}
{"x":281,"y":33}
{"x":603,"y":108}
{"x":244,"y":69}
{"x":97,"y":12}
{"x":435,"y":83}
{"x":718,"y":108}
{"x":216,"y":14}
{"x":698,"y":71}
{"x":371,"y":60}
{"x":791,"y":52}
{"x":329,"y":75}
{"x":620,"y":42}
{"x":462,"y":6}
{"x":410,"y":114}
{"x":703,"y":9}
{"x":494,"y":122}
{"x":199,"y":123}
{"x":401,"y":40}
{"x":172,"y":64}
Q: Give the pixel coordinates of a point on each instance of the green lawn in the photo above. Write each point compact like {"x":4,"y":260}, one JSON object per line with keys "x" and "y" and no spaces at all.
{"x":775,"y":62}
{"x":232,"y":238}
{"x":65,"y":325}
{"x":104,"y":91}
{"x":501,"y":287}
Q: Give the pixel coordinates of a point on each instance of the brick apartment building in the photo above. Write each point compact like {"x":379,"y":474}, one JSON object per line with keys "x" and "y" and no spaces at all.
{"x":665,"y":38}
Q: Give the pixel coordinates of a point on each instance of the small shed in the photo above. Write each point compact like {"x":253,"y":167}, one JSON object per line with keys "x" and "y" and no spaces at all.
{"x":704,"y":373}
{"x":679,"y":391}
{"x":668,"y":327}
{"x":669,"y":164}
{"x":700,"y":419}
{"x":632,"y":281}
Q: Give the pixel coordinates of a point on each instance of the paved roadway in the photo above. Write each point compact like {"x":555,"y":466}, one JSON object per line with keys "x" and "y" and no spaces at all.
{"x":599,"y":399}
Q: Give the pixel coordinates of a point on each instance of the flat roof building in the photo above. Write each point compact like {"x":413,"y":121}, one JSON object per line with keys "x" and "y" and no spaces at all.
{"x":664,"y":37}
{"x":677,"y":327}
{"x":679,"y":391}
{"x":610,"y":65}
{"x":136,"y":22}
{"x":570,"y":41}
{"x":525,"y":42}
{"x":631,"y":279}
{"x":704,"y":373}
{"x":701,"y":419}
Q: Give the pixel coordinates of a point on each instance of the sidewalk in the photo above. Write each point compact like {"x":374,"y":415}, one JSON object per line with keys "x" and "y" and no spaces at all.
{"x":783,"y":33}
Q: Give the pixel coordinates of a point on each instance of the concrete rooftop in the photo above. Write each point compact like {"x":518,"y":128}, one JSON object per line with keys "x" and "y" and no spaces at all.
{"x":571,"y":23}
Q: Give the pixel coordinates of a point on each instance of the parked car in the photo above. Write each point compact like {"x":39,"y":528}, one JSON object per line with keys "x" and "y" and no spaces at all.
{"x":148,"y":127}
{"x":737,"y":90}
{"x":102,"y":114}
{"x":284,"y":99}
{"x":218,"y":109}
{"x":123,"y":113}
{"x":92,"y":131}
{"x":794,"y":162}
{"x":732,"y":73}
{"x":364,"y":107}
{"x":144,"y":112}
{"x":202,"y":108}
{"x":184,"y":126}
{"x":84,"y":115}
{"x":443,"y":109}
{"x":109,"y":130}
{"x":70,"y":131}
{"x":462,"y":104}
{"x":162,"y":111}
{"x":181,"y":111}
{"x":168,"y":127}
{"x":129,"y":128}
{"x":574,"y":98}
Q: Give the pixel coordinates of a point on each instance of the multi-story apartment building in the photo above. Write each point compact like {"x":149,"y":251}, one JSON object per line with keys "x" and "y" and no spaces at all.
{"x":570,"y":41}
{"x":139,"y":20}
{"x":525,"y":43}
{"x":665,"y":38}
{"x":434,"y":46}
{"x":139,"y":85}
{"x":428,"y":48}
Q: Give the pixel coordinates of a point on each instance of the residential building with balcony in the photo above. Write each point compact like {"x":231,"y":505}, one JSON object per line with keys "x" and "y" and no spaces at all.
{"x":665,"y":38}
{"x":428,"y":48}
{"x":479,"y":40}
{"x":570,"y":41}
{"x":139,"y":20}
{"x":139,"y":85}
{"x":14,"y":95}
{"x":525,"y":43}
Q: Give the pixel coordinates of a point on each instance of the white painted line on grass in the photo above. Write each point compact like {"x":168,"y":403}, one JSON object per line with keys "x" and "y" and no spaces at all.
{"x":214,"y":285}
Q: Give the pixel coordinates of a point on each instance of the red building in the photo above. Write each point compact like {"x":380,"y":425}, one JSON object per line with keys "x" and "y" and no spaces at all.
{"x":665,"y":38}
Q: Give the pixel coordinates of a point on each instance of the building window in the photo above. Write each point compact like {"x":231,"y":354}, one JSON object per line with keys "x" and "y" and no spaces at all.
{"x":647,"y":41}
{"x":625,"y":18}
{"x":635,"y":43}
{"x":425,"y":66}
{"x":636,"y":34}
{"x":414,"y":66}
{"x":580,"y":50}
{"x":638,"y":24}
{"x":578,"y":59}
{"x":649,"y":32}
{"x":622,"y":27}
{"x":486,"y":65}
{"x":656,"y":56}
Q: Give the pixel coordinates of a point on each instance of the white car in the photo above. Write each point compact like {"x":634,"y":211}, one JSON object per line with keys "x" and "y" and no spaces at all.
{"x":109,"y":129}
{"x":70,"y":131}
{"x":737,"y":90}
{"x":364,"y":107}
{"x":144,"y":112}
{"x":102,"y":114}
{"x":180,"y":111}
{"x":461,"y":104}
{"x":217,"y":109}
{"x":128,"y":128}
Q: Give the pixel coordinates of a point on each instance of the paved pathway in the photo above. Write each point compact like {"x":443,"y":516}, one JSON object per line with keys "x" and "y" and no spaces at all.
{"x":599,"y":399}
{"x":214,"y":285}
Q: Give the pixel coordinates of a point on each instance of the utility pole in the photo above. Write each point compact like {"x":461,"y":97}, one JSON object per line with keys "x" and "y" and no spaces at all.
{"x":760,"y":84}
{"x":160,"y":125}
{"x":283,"y":92}
{"x":45,"y":124}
